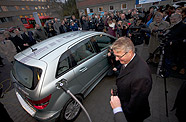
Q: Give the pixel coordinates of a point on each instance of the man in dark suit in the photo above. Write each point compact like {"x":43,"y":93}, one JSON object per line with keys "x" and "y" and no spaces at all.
{"x":20,"y":43}
{"x":28,"y":37}
{"x":134,"y":82}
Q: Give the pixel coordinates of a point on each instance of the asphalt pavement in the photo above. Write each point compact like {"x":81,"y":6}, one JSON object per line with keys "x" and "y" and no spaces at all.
{"x":97,"y":102}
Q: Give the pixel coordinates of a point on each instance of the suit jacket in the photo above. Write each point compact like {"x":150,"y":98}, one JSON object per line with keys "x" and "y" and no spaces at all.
{"x":19,"y":43}
{"x":119,"y":117}
{"x":134,"y":85}
{"x":29,"y":38}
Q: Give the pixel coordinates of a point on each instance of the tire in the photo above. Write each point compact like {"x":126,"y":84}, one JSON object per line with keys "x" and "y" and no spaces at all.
{"x":71,"y":110}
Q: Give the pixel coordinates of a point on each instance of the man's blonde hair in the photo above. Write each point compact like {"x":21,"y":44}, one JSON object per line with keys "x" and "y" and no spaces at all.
{"x":123,"y":44}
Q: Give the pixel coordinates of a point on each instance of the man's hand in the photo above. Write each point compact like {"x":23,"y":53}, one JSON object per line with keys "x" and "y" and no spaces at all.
{"x":115,"y":102}
{"x":114,"y":69}
{"x":25,"y":44}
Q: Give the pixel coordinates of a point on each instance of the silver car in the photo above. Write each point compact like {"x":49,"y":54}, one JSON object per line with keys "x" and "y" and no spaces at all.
{"x":78,"y":58}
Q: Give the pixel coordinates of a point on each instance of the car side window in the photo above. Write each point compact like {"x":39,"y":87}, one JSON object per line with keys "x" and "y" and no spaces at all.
{"x":63,"y":65}
{"x":104,"y":41}
{"x":82,"y":52}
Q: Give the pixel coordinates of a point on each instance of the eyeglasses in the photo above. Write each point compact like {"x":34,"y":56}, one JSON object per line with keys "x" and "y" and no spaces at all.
{"x":122,"y":55}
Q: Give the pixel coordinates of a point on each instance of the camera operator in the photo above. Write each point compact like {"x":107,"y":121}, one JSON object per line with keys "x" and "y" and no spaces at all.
{"x":155,"y":26}
{"x":122,"y":28}
{"x":176,"y":42}
{"x":137,"y":34}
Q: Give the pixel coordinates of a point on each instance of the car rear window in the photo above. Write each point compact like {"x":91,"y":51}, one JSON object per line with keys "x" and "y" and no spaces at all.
{"x":26,"y":75}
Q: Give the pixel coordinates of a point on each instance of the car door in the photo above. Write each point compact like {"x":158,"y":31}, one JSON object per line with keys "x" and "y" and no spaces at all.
{"x":91,"y":60}
{"x":83,"y":57}
{"x":102,"y":43}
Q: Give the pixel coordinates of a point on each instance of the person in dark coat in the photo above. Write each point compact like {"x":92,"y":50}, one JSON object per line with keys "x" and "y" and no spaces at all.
{"x":40,"y":34}
{"x":177,"y":44}
{"x":179,"y":104}
{"x":28,"y":37}
{"x":73,"y":26}
{"x":63,"y":28}
{"x":85,"y":23}
{"x":50,"y":30}
{"x":134,"y":82}
{"x":100,"y":24}
{"x":20,"y":43}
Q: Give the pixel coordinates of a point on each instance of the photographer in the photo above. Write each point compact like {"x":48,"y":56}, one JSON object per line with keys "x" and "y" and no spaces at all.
{"x":155,"y":26}
{"x":122,"y":28}
{"x":137,"y":34}
{"x":176,"y":42}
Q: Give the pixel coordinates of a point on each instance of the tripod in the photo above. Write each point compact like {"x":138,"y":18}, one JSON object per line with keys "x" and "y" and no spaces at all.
{"x":161,"y":70}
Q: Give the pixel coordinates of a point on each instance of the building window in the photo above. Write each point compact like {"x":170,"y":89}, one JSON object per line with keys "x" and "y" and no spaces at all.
{"x":32,"y":7}
{"x":138,"y":6}
{"x":4,"y":8}
{"x":17,"y":7}
{"x":111,"y":8}
{"x":27,"y":7}
{"x":23,"y":8}
{"x":11,"y":8}
{"x":123,"y":6}
{"x":91,"y":10}
{"x":100,"y":9}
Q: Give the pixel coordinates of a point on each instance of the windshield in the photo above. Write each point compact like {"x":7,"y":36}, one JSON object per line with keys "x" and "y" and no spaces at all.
{"x":26,"y":75}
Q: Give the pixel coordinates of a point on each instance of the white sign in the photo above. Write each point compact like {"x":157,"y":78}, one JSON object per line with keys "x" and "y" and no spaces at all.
{"x":148,"y":1}
{"x":36,"y":17}
{"x":88,"y":10}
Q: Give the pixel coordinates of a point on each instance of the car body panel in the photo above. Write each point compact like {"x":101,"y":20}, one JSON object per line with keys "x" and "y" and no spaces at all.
{"x":80,"y":79}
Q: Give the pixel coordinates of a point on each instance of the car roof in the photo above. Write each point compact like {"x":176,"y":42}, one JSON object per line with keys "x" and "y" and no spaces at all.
{"x":40,"y":50}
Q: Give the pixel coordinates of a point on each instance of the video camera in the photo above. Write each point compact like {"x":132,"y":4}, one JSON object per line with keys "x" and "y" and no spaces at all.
{"x":135,"y":30}
{"x":163,"y":36}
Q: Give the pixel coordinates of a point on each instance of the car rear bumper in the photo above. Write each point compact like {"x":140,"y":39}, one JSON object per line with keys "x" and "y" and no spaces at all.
{"x":38,"y":115}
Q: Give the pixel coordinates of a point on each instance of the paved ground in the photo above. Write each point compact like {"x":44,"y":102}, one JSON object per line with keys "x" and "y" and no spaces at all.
{"x":97,"y":102}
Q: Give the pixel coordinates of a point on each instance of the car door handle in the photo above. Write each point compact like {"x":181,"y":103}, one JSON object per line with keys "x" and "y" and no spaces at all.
{"x":83,"y":69}
{"x":105,"y":55}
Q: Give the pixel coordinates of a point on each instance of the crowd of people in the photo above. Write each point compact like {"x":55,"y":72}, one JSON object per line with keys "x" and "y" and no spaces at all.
{"x":141,"y":26}
{"x":133,"y":28}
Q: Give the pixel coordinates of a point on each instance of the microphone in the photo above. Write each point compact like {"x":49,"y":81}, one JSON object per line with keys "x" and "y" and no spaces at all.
{"x":115,"y":90}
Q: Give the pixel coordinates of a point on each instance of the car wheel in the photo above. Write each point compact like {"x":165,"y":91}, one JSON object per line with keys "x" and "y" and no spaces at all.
{"x":71,"y":110}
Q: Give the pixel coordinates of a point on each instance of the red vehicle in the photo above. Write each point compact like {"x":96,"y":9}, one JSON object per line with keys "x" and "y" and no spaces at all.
{"x":30,"y":22}
{"x":11,"y":29}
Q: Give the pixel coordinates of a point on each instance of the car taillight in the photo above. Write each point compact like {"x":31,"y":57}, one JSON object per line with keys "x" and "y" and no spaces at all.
{"x":41,"y":104}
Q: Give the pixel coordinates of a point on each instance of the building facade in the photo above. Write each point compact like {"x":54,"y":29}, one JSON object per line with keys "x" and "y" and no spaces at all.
{"x":99,"y":6}
{"x":12,"y":10}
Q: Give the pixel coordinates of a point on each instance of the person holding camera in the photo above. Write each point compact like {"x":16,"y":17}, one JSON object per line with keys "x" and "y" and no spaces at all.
{"x":122,"y":28}
{"x":134,"y":81}
{"x":154,"y":42}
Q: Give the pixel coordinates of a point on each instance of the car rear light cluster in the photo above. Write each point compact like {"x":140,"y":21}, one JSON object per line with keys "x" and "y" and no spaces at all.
{"x":40,"y":104}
